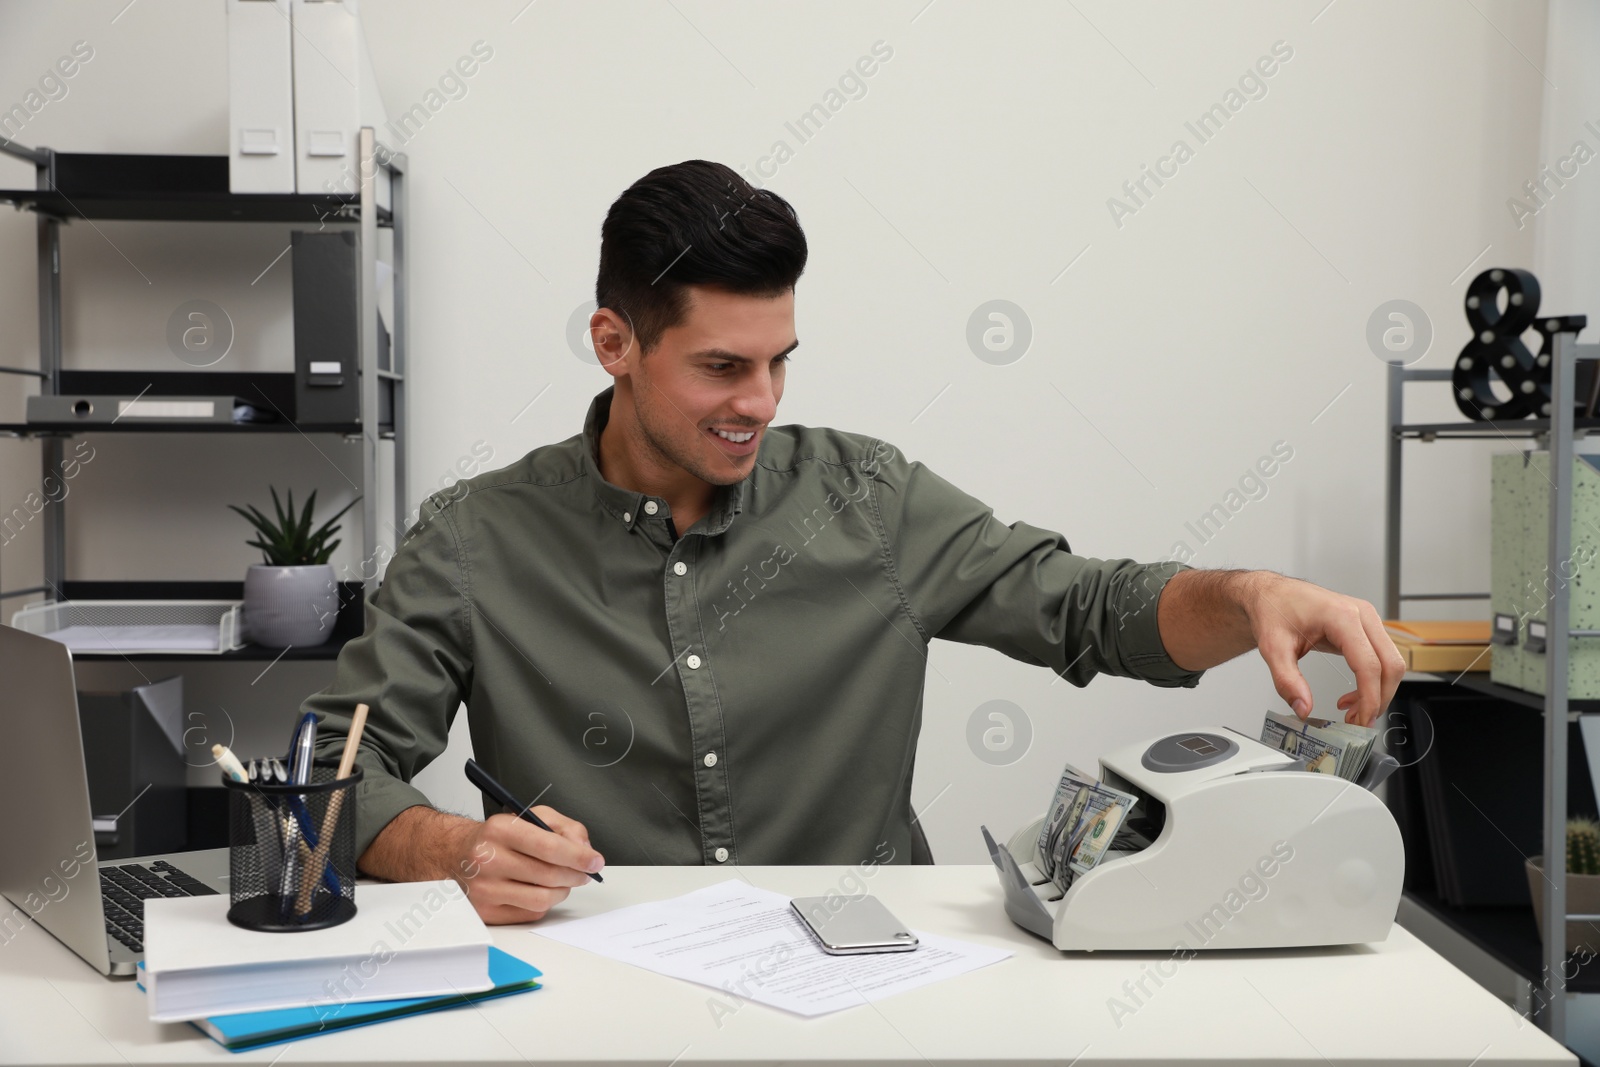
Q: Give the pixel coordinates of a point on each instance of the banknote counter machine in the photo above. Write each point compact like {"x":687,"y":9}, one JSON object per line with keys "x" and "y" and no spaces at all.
{"x":1233,"y":844}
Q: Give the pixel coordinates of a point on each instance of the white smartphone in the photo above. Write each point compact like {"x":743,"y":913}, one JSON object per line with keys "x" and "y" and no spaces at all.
{"x":845,"y":925}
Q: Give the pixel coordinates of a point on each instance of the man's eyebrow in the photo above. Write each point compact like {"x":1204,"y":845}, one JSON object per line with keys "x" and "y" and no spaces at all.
{"x":734,"y":357}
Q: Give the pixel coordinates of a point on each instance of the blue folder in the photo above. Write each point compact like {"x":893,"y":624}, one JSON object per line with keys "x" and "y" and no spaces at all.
{"x":254,"y":1029}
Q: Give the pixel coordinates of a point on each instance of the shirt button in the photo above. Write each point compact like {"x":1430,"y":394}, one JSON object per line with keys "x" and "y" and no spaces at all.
{"x":693,"y":662}
{"x":651,"y":507}
{"x":722,"y":855}
{"x":627,"y":516}
{"x":679,"y":568}
{"x":711,"y":759}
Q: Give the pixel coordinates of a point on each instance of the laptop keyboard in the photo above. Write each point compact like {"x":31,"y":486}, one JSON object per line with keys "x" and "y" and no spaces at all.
{"x":125,"y":888}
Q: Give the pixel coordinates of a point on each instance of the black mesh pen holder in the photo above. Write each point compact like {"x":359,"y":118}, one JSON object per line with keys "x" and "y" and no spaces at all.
{"x":291,"y":866}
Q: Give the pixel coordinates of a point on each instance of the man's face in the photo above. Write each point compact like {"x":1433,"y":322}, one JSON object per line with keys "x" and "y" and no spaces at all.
{"x":718,"y":372}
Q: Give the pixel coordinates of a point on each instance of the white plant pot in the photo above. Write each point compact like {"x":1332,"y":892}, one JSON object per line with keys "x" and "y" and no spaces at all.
{"x":286,"y":606}
{"x":1583,"y":898}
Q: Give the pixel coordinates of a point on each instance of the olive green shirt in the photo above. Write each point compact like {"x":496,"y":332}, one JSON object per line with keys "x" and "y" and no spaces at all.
{"x":748,"y":691}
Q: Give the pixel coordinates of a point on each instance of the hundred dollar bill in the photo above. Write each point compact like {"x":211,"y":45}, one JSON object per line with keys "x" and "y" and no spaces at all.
{"x":1084,"y":817}
{"x":1072,"y":793}
{"x":1097,"y":830}
{"x":1060,"y":845}
{"x":1327,"y":746}
{"x":1090,"y":839}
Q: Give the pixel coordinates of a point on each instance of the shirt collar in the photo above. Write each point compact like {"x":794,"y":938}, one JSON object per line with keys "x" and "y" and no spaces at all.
{"x":628,"y":504}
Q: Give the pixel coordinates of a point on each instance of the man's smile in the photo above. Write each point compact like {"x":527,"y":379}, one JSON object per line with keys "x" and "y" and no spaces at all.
{"x":736,"y":442}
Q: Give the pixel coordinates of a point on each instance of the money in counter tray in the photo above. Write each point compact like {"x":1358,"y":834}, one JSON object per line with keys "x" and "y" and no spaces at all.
{"x":1084,"y":819}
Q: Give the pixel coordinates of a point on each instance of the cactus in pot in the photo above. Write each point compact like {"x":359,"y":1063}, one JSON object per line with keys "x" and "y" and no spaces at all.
{"x":1583,"y":846}
{"x":1583,"y":883}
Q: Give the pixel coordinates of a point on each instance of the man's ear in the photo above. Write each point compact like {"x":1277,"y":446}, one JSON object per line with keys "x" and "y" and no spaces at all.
{"x":613,"y":339}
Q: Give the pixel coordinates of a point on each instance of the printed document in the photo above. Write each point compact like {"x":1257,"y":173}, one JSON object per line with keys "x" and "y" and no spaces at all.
{"x":749,"y":944}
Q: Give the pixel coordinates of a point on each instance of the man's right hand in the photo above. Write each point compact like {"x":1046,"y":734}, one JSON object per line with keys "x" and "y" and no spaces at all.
{"x":511,"y":870}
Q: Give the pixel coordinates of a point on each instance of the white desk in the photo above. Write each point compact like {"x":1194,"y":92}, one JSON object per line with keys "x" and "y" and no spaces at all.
{"x":1395,"y":1002}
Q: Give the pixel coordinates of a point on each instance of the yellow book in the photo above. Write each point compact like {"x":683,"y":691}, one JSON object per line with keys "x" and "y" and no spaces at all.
{"x":1439,"y":631}
{"x":1441,"y":646}
{"x":1445,"y":659}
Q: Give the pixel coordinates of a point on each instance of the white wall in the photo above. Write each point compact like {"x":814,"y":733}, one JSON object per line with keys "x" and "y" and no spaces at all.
{"x":1568,"y":209}
{"x":1225,"y":315}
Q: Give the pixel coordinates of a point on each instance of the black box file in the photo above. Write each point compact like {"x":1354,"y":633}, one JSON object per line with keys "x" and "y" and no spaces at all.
{"x":327,"y":341}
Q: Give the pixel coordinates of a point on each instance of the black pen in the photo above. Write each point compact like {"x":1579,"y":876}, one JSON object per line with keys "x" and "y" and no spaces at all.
{"x":502,"y":796}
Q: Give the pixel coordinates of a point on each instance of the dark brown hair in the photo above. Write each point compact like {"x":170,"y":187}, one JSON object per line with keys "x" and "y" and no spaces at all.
{"x":693,"y":223}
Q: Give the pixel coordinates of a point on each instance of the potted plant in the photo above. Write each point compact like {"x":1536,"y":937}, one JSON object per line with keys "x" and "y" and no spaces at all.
{"x":1583,"y":884}
{"x":290,"y":598}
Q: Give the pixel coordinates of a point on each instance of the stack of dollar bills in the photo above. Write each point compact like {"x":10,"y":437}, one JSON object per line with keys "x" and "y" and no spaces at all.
{"x":1083,"y":819}
{"x":1327,"y":746}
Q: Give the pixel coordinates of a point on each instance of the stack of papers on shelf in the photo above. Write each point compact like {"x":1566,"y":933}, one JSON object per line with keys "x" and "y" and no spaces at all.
{"x":175,"y":638}
{"x":408,"y":939}
{"x":1441,"y":645}
{"x":254,"y":1029}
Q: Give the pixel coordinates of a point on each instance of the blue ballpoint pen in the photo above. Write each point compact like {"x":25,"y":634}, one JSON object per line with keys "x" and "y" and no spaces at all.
{"x":300,"y":762}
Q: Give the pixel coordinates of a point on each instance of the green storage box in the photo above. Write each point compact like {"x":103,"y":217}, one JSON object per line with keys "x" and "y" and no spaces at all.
{"x":1521,"y":582}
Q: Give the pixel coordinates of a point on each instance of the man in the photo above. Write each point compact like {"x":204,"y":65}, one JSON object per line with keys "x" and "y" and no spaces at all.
{"x":706,"y":634}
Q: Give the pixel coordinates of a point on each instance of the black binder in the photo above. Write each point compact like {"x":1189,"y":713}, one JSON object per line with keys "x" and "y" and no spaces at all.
{"x":327,"y":343}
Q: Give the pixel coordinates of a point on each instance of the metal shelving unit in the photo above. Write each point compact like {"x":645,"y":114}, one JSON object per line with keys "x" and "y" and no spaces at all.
{"x":195,"y":188}
{"x":1559,"y":431}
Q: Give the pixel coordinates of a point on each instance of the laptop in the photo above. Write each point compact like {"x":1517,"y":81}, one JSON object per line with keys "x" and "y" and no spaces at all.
{"x":48,"y":871}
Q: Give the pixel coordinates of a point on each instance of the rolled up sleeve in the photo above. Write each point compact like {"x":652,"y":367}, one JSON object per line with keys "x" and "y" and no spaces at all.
{"x":411,"y":667}
{"x":966,"y":576}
